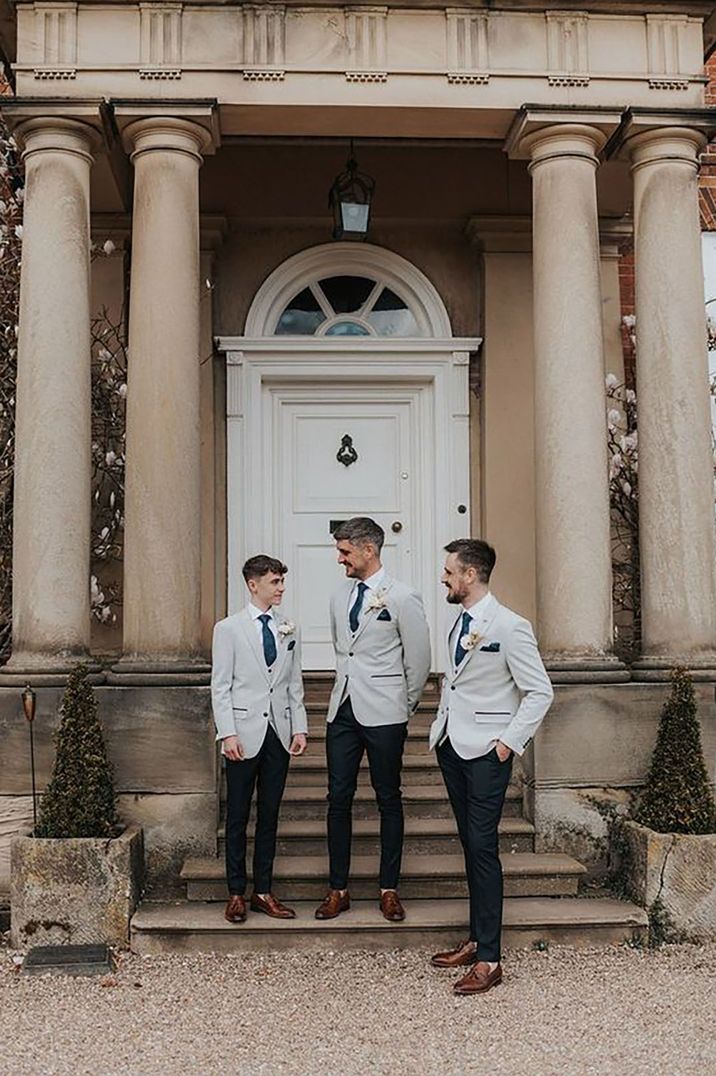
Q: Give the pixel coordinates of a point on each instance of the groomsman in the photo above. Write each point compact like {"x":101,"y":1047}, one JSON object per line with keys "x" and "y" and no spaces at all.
{"x":382,"y":646}
{"x":257,"y":699}
{"x":494,"y":697}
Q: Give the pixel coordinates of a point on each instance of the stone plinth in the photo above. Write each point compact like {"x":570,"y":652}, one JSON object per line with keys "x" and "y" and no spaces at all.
{"x":75,"y":891}
{"x":679,"y":871}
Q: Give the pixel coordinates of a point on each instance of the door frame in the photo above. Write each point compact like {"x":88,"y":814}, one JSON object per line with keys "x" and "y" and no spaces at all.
{"x":253,"y":365}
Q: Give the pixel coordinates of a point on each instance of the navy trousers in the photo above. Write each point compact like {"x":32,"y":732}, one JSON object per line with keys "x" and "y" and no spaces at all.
{"x":346,"y":740}
{"x":477,"y":788}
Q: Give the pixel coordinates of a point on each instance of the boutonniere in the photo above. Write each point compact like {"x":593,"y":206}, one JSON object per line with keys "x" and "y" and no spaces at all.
{"x":469,"y":642}
{"x":286,"y":627}
{"x":376,"y":600}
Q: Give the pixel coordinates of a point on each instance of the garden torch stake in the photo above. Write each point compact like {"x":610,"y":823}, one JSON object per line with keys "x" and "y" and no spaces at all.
{"x":29,"y":702}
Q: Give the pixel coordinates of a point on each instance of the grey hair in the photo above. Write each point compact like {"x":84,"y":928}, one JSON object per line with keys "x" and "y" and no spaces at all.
{"x":360,"y":531}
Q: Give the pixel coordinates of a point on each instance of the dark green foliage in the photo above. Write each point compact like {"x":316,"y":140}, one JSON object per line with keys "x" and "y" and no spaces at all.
{"x":79,"y":800}
{"x":677,"y":797}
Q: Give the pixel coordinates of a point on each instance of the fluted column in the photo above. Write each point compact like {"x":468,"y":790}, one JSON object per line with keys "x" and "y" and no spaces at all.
{"x":572,"y":506}
{"x":676,"y":486}
{"x":51,"y":521}
{"x":162,"y":530}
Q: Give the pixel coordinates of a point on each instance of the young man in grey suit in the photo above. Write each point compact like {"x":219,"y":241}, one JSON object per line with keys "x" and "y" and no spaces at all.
{"x":494,"y":697}
{"x":257,"y":699}
{"x":382,"y":644}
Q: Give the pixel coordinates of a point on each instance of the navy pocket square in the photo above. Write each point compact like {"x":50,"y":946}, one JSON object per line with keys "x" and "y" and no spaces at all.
{"x":292,"y":644}
{"x":384,"y":615}
{"x":491,"y":648}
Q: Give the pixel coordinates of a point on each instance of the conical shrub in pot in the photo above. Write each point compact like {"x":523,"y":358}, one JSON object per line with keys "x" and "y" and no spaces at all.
{"x":677,"y":797}
{"x":79,"y":800}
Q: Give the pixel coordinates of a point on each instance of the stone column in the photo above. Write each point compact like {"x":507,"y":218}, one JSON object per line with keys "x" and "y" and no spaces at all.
{"x":574,"y":598}
{"x":51,"y":523}
{"x":163,"y":509}
{"x":676,"y":484}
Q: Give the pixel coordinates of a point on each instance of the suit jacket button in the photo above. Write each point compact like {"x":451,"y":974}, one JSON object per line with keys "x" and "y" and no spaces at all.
{"x":265,"y":714}
{"x":350,"y":653}
{"x":452,"y":687}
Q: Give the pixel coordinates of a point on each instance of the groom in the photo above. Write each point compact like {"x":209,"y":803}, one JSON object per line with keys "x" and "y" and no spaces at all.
{"x":382,"y":644}
{"x":495,"y":694}
{"x":257,"y":699}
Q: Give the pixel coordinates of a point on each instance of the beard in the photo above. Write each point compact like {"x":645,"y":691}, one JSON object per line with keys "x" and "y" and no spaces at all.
{"x":455,"y":597}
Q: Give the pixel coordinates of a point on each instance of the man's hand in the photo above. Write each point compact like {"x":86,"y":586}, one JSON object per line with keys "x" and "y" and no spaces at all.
{"x":503,"y":751}
{"x":298,"y":744}
{"x":233,"y":749}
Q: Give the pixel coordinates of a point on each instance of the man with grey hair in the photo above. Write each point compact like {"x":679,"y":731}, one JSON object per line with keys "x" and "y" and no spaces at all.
{"x":382,"y":644}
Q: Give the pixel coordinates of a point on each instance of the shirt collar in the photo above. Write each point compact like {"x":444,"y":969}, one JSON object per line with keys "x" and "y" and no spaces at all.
{"x":256,"y":613}
{"x":478,"y":609}
{"x":375,"y":580}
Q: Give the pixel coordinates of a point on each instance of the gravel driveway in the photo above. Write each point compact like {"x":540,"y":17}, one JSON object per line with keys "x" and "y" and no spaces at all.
{"x":563,"y":1011}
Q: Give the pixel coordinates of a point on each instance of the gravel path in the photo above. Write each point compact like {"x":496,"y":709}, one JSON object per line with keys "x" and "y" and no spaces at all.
{"x":563,"y":1011}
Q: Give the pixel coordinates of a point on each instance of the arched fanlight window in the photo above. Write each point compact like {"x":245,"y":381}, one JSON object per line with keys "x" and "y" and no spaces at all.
{"x":347,"y":306}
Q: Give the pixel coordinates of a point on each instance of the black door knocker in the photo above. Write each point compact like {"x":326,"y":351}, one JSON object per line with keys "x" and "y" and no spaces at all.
{"x":346,"y":453}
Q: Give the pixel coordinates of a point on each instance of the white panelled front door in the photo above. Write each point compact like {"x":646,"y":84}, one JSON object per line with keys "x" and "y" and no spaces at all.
{"x":405,"y":411}
{"x":376,"y":432}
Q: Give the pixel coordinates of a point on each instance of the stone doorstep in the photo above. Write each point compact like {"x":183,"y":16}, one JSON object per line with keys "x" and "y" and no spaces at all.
{"x":439,"y":876}
{"x":193,"y":927}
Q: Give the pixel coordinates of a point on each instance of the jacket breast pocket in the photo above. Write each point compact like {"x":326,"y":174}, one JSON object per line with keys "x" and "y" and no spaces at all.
{"x":490,"y":716}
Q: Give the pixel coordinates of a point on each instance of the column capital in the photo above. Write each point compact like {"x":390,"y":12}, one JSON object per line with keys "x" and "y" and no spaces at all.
{"x":57,"y":134}
{"x":687,"y":127}
{"x":658,"y":145}
{"x":534,"y":129}
{"x":174,"y":126}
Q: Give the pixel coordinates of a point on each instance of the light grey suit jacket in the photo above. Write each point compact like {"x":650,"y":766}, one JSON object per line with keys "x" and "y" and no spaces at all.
{"x":384,"y":666}
{"x":500,"y":690}
{"x":244,"y":695}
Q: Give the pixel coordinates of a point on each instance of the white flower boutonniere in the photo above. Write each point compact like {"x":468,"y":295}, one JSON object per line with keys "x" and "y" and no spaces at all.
{"x":376,"y":600}
{"x":287,"y":627}
{"x":469,"y":642}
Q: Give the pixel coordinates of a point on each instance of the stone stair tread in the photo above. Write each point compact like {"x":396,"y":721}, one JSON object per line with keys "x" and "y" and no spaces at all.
{"x":432,"y":791}
{"x":410,"y":762}
{"x":443,"y":915}
{"x":370,"y":827}
{"x":366,"y":866}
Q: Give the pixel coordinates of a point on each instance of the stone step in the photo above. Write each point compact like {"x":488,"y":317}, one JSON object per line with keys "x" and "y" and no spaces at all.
{"x":419,"y":801}
{"x":416,"y":742}
{"x":423,"y":836}
{"x":439,"y":876}
{"x":191,"y":926}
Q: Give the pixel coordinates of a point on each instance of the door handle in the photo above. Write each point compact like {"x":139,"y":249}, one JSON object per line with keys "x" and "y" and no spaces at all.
{"x":396,"y":527}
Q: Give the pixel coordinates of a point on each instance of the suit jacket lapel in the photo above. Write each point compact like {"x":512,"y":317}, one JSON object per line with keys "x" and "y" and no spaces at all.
{"x":482,"y":627}
{"x":450,"y":644}
{"x":249,"y":630}
{"x":368,"y":614}
{"x":283,"y":641}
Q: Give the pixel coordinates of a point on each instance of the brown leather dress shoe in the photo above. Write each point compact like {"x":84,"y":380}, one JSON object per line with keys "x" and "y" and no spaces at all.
{"x":461,"y":956}
{"x":479,"y":979}
{"x":333,"y":904}
{"x":270,"y":906}
{"x":391,"y":907}
{"x":235,"y":910}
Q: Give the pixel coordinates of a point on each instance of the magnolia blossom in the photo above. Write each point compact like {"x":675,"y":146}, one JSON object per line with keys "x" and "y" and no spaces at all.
{"x":613,"y":416}
{"x":611,"y":381}
{"x":110,"y":457}
{"x":108,"y":247}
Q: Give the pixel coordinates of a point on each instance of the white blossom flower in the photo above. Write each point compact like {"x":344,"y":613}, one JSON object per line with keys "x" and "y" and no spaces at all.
{"x":110,"y":457}
{"x":626,"y":486}
{"x":611,"y":381}
{"x":18,"y":231}
{"x":108,"y":247}
{"x":613,"y":416}
{"x":286,"y":628}
{"x":630,"y":396}
{"x":629,"y":321}
{"x":122,"y":390}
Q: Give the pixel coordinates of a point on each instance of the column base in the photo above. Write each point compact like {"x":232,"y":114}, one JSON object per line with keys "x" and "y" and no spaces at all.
{"x":136,"y":671}
{"x":657,"y":668}
{"x":583,"y":669}
{"x":47,"y":670}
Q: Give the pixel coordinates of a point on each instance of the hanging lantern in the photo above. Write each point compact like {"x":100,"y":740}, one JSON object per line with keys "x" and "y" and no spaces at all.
{"x":350,"y":199}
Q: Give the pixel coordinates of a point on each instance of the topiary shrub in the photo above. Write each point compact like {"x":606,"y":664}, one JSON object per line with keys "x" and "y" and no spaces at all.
{"x":677,"y":797}
{"x":79,"y":800}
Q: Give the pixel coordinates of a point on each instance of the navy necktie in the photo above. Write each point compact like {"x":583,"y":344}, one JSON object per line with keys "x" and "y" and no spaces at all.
{"x":464,"y":630}
{"x":268,"y":640}
{"x":353,"y":616}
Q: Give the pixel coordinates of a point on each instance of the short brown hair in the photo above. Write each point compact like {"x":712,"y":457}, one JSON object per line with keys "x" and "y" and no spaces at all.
{"x":257,"y":567}
{"x":474,"y":553}
{"x":360,"y":531}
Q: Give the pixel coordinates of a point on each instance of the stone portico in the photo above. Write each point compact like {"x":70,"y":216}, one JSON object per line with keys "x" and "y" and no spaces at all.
{"x":513,"y":149}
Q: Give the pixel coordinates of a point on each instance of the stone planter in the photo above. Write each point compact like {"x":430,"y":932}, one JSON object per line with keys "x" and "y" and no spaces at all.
{"x":679,"y":871}
{"x":75,"y":890}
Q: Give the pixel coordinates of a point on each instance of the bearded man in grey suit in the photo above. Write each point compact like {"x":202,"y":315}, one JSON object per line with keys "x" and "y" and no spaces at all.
{"x":495,"y":694}
{"x":257,"y":699}
{"x":382,"y":644}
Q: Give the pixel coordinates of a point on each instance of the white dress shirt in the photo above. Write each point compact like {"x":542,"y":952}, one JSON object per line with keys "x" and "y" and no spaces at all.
{"x":374,"y":582}
{"x":475,"y":612}
{"x":255,"y":614}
